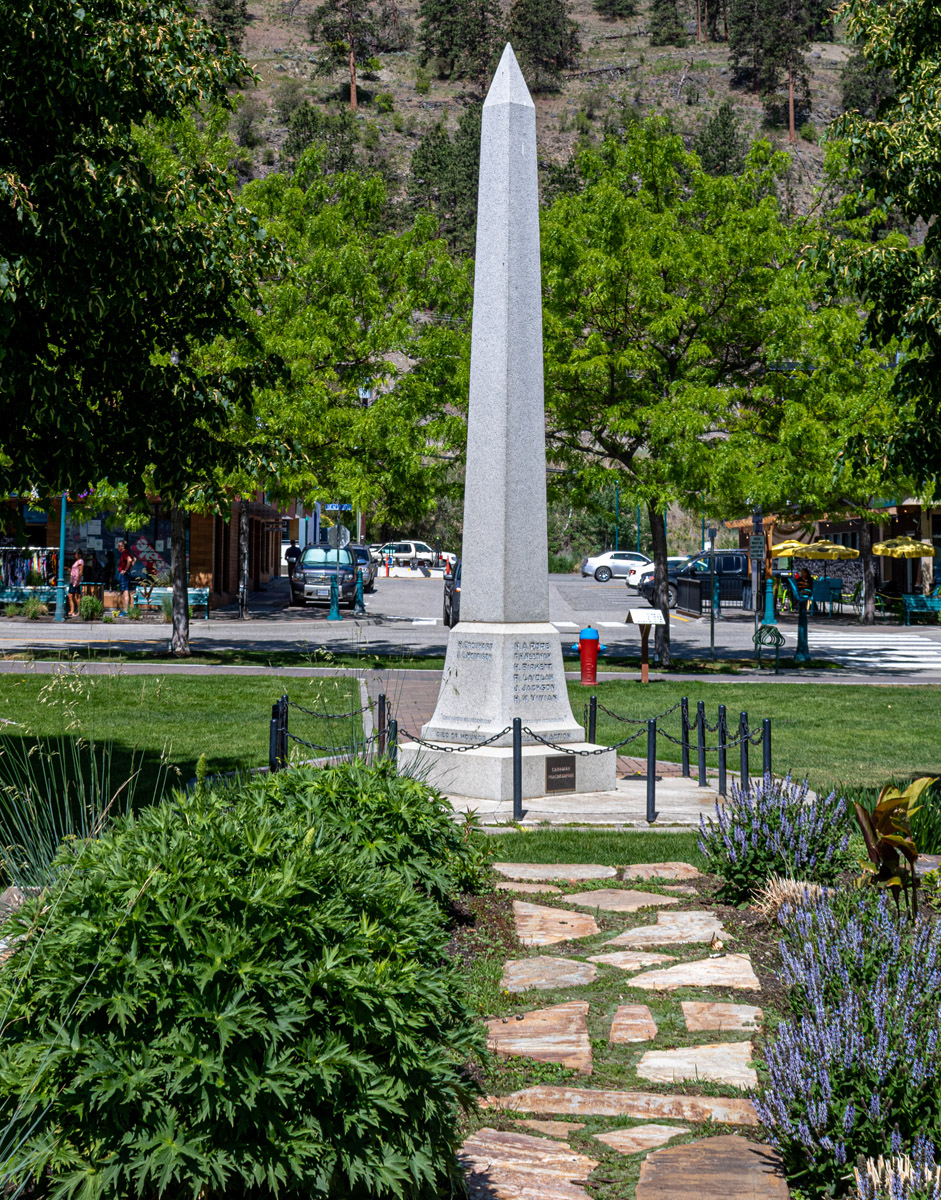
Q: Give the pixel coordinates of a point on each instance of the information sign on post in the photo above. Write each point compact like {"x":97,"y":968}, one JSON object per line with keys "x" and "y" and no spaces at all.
{"x":756,"y":546}
{"x":644,"y":618}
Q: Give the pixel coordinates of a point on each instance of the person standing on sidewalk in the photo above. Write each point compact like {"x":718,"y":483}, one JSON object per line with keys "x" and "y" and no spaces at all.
{"x":126,"y":561}
{"x":75,"y":582}
{"x":292,"y":554}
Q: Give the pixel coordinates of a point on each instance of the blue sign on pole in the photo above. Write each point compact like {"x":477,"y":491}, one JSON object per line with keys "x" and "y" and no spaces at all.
{"x":338,"y":507}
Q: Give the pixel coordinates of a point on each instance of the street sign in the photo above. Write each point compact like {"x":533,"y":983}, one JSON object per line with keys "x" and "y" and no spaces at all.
{"x":338,"y":507}
{"x":757,"y":545}
{"x":338,"y":536}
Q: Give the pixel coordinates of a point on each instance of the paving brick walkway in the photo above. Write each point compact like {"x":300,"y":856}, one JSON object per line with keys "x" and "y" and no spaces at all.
{"x":537,"y":1156}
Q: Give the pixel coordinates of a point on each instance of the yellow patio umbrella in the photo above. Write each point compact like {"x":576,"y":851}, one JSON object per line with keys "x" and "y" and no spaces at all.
{"x":828,"y":550}
{"x":787,"y":549}
{"x":904,"y":547}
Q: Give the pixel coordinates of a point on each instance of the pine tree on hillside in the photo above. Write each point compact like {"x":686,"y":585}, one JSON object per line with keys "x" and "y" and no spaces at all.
{"x":348,"y":34}
{"x":747,"y":38}
{"x":545,"y":40}
{"x":463,"y":38}
{"x":864,"y":87}
{"x":443,"y":178}
{"x":229,"y":19}
{"x":616,"y":10}
{"x":767,"y":41}
{"x":664,"y":26}
{"x":721,"y":144}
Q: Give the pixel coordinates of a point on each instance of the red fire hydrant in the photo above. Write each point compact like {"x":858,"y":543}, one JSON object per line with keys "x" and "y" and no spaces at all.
{"x":589,"y":647}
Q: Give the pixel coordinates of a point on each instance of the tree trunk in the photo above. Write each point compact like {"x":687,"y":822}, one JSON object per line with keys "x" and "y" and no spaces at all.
{"x":791,"y":133}
{"x":706,"y":23}
{"x":243,"y":557}
{"x":927,"y":564}
{"x":698,"y":21}
{"x":353,"y":96}
{"x":658,"y":536}
{"x":180,"y":637}
{"x":868,"y":562}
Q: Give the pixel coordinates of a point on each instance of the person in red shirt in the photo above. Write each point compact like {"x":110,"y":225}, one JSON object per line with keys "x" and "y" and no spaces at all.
{"x":126,"y":561}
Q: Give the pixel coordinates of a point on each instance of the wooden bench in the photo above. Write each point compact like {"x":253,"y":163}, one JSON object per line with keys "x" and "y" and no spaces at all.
{"x":921,"y":606}
{"x":195,"y":597}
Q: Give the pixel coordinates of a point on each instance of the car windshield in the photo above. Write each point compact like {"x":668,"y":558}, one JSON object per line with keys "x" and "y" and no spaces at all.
{"x":325,"y":556}
{"x":362,"y":553}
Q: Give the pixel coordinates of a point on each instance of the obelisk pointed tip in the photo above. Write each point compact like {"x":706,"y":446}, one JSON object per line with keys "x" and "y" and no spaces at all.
{"x":508,"y":85}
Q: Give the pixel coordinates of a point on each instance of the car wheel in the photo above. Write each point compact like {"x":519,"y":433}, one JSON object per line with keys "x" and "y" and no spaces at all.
{"x":672,"y":595}
{"x":300,"y":601}
{"x":370,"y":587}
{"x":603,"y":574}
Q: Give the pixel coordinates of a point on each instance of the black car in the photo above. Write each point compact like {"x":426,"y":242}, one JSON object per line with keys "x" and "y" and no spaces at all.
{"x":452,"y":596}
{"x":731,"y":566}
{"x":310,"y":583}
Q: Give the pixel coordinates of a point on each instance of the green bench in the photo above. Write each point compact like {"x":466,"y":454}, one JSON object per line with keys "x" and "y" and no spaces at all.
{"x":17,"y":595}
{"x":195,"y":597}
{"x":921,"y":606}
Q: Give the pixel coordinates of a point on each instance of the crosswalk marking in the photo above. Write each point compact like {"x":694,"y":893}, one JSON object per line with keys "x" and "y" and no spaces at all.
{"x":885,"y":651}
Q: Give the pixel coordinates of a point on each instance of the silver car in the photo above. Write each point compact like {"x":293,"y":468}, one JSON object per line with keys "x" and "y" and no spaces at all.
{"x":612,"y":562}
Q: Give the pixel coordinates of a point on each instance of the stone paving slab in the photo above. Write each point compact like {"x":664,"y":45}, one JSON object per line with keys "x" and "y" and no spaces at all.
{"x":702,"y":1015}
{"x":557,"y":1034}
{"x":544,"y":972}
{"x":553,"y":1128}
{"x":640,"y":1137}
{"x":632,"y":1023}
{"x":723,"y":971}
{"x":618,"y":899}
{"x":539,"y":925}
{"x":680,"y":889}
{"x":662,"y":870}
{"x":596,"y":1102}
{"x":543,"y":872}
{"x":630,"y":960}
{"x":718,"y":1168}
{"x":717,"y":1062}
{"x":506,"y":885}
{"x":517,"y":1166}
{"x":673,"y":929}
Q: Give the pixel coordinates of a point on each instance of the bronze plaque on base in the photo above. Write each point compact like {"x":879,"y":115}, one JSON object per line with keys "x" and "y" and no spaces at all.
{"x":560,"y":773}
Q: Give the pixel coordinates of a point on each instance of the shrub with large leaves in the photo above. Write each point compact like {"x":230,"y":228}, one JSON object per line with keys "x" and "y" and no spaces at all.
{"x":241,"y":994}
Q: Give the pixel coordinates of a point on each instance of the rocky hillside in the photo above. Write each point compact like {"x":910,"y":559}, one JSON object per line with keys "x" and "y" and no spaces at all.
{"x":619,"y":70}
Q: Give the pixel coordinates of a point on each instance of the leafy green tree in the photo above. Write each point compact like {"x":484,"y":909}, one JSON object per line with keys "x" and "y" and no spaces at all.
{"x":113,"y":276}
{"x":347,"y":33}
{"x":228,"y":19}
{"x":662,"y":286}
{"x":464,"y":39}
{"x":443,"y":178}
{"x":337,"y":132}
{"x":894,"y":159}
{"x":720,"y":143}
{"x":863,"y":86}
{"x":545,"y":40}
{"x":664,"y":25}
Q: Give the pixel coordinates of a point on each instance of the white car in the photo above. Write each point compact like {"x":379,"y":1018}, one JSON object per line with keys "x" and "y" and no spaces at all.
{"x":612,"y":562}
{"x":403,"y":553}
{"x":636,"y":574}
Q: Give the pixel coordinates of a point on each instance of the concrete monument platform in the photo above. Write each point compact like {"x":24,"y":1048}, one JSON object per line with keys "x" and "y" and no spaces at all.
{"x":504,"y":658}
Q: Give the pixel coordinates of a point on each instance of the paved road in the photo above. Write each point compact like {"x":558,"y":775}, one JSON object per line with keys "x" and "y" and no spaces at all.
{"x":404,"y":616}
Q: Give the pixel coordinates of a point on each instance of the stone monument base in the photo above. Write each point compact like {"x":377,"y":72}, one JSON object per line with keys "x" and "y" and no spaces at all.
{"x":487,"y":773}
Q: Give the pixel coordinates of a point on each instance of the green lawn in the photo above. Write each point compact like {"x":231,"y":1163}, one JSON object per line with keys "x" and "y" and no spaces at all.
{"x":835,"y":735}
{"x":225,"y":717}
{"x":610,"y":848}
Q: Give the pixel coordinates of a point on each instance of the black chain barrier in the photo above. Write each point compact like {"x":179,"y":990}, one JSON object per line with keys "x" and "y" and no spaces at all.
{"x":356,"y":712}
{"x":457,"y":749}
{"x":639,"y":720}
{"x":583,"y":753}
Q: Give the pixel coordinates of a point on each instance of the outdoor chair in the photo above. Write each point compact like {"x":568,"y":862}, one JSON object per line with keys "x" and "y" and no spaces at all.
{"x":820,"y":596}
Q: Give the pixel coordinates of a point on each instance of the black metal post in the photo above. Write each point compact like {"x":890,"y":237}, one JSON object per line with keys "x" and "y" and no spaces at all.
{"x":394,"y":740}
{"x":592,"y":717}
{"x":743,"y":750}
{"x":766,"y":747}
{"x":518,"y":769}
{"x":284,"y":731}
{"x":701,"y":741}
{"x":651,"y":770}
{"x":381,"y":720}
{"x":274,"y":736}
{"x":684,"y":734}
{"x":723,"y":752}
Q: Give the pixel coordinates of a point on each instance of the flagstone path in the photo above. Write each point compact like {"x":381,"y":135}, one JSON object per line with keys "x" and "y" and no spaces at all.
{"x":540,"y":1164}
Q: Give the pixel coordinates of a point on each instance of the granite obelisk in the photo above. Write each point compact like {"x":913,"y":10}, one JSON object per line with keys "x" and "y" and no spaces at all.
{"x":504,"y":658}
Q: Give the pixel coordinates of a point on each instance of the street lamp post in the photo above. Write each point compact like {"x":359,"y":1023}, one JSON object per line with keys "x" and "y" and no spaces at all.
{"x":617,"y":512}
{"x":60,"y":585}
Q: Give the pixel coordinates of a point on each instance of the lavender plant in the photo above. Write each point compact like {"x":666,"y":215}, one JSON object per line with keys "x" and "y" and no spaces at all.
{"x":774,"y":828}
{"x":900,"y":1177}
{"x":860,"y":1056}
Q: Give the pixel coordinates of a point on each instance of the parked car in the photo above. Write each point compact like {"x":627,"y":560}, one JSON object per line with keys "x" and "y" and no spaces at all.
{"x":612,"y":562}
{"x":367,"y":564}
{"x":318,"y":565}
{"x":403,"y":553}
{"x":640,"y":570}
{"x":452,"y":596}
{"x":731,"y":566}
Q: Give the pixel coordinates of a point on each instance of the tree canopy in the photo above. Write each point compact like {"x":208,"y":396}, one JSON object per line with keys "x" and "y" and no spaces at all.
{"x":114,"y":274}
